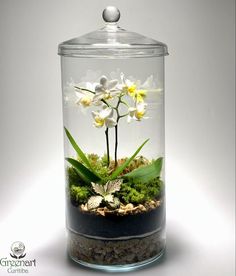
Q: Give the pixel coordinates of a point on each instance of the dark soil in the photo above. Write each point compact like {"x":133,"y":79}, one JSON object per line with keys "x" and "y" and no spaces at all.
{"x":114,"y":225}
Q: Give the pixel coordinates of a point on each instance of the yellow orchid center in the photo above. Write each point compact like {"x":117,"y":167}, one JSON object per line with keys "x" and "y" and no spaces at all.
{"x":107,"y":96}
{"x":140,"y":95}
{"x":86,"y":101}
{"x":99,"y":121}
{"x":132,"y":89}
{"x":139,"y":114}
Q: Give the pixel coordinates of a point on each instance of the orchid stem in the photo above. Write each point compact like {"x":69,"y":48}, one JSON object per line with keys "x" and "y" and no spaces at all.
{"x":116,"y":144}
{"x":84,"y":89}
{"x":116,"y":129}
{"x":107,"y":142}
{"x":125,"y":103}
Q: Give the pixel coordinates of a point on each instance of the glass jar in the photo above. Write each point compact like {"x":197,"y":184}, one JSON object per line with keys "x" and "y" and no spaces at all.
{"x":113,"y":110}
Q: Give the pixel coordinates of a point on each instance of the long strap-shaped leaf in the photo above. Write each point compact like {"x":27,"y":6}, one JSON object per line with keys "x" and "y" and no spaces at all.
{"x":84,"y":173}
{"x":120,"y":169}
{"x":78,"y":149}
{"x":146,"y":173}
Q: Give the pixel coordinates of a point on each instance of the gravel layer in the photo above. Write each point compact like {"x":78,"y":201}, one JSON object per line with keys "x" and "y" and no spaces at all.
{"x":114,"y":252}
{"x":124,"y":209}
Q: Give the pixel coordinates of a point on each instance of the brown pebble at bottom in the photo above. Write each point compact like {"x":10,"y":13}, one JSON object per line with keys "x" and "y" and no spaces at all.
{"x":114,"y":252}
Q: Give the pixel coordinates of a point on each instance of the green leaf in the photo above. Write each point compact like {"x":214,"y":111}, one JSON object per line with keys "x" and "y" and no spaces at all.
{"x":84,"y":173}
{"x":120,"y":169}
{"x":147,"y":173}
{"x":78,"y":149}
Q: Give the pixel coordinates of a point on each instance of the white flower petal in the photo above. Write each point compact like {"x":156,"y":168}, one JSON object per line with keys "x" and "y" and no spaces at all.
{"x":132,"y":111}
{"x":104,"y":106}
{"x":99,"y":88}
{"x":129,"y":119}
{"x":122,"y":76}
{"x":103,"y":80}
{"x":119,"y":87}
{"x":111,"y":84}
{"x":105,"y":113}
{"x":128,"y":83}
{"x":91,"y":86}
{"x":141,"y":106}
{"x":115,"y":92}
{"x":79,"y":95}
{"x":87,"y":85}
{"x":111,"y":114}
{"x":110,"y":122}
{"x":95,"y":114}
{"x":97,"y":125}
{"x":96,"y":102}
{"x":98,"y":96}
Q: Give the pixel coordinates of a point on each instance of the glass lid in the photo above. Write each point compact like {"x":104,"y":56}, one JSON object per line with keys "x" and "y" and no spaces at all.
{"x":112,"y":41}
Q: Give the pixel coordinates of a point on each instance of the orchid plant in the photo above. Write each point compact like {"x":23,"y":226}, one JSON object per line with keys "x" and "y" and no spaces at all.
{"x":108,"y":96}
{"x":110,"y":101}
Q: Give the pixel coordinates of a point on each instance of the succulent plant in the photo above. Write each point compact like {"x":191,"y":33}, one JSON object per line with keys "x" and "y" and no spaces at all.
{"x":105,"y":193}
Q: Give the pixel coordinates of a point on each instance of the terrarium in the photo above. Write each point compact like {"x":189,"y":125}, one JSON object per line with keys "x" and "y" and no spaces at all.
{"x":113,"y":110}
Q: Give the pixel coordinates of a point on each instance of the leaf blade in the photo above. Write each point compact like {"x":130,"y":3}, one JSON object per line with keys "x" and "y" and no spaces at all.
{"x":146,"y":173}
{"x":99,"y":189}
{"x":127,"y":162}
{"x":87,"y":175}
{"x":113,"y":186}
{"x":77,"y":149}
{"x":94,"y":202}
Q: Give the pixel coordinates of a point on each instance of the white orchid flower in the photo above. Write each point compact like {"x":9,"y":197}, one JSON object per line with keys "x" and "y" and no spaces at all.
{"x":85,"y":93}
{"x":127,"y":85}
{"x":104,"y":117}
{"x":133,"y":89}
{"x":137,"y":113}
{"x":106,"y":89}
{"x":84,"y":98}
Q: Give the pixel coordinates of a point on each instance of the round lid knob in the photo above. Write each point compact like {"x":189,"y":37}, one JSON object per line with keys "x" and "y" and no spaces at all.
{"x":111,"y":14}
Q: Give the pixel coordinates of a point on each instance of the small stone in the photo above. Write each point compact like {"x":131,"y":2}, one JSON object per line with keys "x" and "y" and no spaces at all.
{"x":84,"y":207}
{"x":158,"y":203}
{"x":122,"y":206}
{"x":101,"y":211}
{"x":121,"y":211}
{"x":141,"y":207}
{"x":129,"y":206}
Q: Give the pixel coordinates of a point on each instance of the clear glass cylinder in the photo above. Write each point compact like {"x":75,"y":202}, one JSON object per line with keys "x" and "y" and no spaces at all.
{"x":113,"y":110}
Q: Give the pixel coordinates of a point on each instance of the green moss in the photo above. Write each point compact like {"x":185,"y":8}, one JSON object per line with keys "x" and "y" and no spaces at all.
{"x":79,"y":195}
{"x":99,"y":164}
{"x":137,"y":193}
{"x":73,"y":178}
